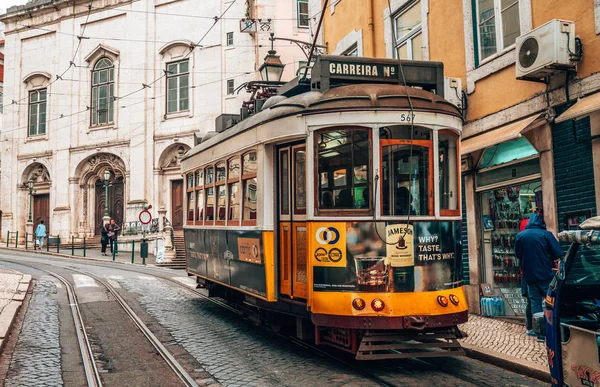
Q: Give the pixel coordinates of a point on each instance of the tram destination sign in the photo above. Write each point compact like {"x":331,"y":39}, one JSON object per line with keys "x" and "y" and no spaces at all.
{"x":331,"y":70}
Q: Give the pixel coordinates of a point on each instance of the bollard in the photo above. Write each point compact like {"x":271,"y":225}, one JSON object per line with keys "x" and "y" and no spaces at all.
{"x":84,"y":246}
{"x":114,"y":250}
{"x":26,"y":236}
{"x":144,"y":249}
{"x":7,"y":238}
{"x":17,"y":240}
{"x":132,"y":251}
{"x":72,"y":244}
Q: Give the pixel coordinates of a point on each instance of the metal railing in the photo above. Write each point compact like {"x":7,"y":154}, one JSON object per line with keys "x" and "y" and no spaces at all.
{"x":138,"y":228}
{"x":80,"y":246}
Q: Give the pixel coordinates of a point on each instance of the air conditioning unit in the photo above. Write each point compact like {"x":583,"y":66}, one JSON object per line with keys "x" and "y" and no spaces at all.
{"x":546,"y":50}
{"x":453,"y":91}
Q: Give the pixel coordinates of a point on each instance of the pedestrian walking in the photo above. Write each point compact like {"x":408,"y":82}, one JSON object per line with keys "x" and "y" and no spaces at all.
{"x":537,"y":249}
{"x":104,"y":238}
{"x":113,"y":232}
{"x":40,"y":234}
{"x":528,"y":315}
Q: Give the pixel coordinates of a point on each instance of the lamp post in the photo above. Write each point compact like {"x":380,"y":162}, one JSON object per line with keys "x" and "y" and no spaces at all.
{"x":106,"y":182}
{"x":272,"y":68}
{"x":30,"y":184}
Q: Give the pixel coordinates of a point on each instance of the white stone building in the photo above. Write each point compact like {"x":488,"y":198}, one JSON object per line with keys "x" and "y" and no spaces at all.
{"x":122,"y":86}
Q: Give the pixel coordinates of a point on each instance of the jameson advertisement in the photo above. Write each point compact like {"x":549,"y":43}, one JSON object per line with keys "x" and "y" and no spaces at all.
{"x":395,"y":257}
{"x":233,"y":258}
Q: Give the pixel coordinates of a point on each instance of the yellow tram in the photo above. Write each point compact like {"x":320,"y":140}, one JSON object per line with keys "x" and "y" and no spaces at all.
{"x":336,"y":210}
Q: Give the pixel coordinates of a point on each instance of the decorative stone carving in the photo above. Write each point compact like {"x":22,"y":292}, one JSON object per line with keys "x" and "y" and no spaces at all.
{"x":175,"y":156}
{"x":38,"y":173}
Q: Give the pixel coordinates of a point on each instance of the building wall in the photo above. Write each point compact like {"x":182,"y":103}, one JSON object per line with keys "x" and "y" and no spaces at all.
{"x":574,"y":169}
{"x":500,"y":90}
{"x":144,"y":139}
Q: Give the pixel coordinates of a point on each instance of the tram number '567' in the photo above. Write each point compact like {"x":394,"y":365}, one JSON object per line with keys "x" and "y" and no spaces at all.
{"x":406,"y":117}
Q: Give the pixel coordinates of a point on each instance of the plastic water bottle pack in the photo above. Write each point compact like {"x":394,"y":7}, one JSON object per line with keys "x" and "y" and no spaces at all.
{"x":492,"y":306}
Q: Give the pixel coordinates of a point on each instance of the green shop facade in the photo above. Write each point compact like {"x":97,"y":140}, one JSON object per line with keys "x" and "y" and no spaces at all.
{"x":512,"y":171}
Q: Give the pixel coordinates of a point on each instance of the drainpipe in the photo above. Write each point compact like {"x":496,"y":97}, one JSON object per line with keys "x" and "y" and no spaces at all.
{"x":371,"y":28}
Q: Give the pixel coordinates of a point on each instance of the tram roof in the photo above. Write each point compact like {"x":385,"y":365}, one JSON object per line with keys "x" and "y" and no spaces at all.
{"x":357,"y":97}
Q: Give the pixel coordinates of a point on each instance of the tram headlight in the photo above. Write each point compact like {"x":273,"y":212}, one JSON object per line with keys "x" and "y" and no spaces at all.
{"x":454,"y":299}
{"x":443,"y":301}
{"x":359,"y":303}
{"x":377,"y":305}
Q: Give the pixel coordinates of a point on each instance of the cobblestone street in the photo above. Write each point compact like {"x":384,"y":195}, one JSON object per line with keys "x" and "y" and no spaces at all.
{"x":37,"y":358}
{"x":216,"y":345}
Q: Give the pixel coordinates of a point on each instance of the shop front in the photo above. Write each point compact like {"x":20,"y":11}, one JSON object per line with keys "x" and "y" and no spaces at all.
{"x":509,"y":192}
{"x":505,"y":190}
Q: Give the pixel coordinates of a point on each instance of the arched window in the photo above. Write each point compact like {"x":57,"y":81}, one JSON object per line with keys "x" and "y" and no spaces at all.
{"x":103,"y":85}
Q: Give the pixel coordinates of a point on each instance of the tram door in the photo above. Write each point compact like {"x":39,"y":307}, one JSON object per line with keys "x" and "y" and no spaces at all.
{"x":293,"y":268}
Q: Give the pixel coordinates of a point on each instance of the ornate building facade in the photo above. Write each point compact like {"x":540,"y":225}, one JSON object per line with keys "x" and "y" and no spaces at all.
{"x":122,"y":86}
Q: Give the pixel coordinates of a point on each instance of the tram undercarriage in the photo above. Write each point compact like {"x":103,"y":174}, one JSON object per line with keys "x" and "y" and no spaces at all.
{"x":399,"y":344}
{"x":290,"y":318}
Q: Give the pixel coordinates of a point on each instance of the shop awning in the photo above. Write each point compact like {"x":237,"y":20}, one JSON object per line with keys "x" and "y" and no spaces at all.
{"x":583,"y":107}
{"x":499,"y":135}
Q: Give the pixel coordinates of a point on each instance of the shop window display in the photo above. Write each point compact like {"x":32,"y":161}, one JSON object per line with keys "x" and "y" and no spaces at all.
{"x":505,"y":212}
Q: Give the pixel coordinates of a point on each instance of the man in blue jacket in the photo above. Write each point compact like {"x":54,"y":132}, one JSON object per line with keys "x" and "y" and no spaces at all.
{"x":537,"y":249}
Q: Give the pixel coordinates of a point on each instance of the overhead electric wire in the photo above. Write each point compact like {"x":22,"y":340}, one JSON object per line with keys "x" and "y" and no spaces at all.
{"x":71,"y":63}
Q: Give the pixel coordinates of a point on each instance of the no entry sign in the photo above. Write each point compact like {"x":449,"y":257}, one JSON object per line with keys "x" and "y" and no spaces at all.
{"x":145,"y":217}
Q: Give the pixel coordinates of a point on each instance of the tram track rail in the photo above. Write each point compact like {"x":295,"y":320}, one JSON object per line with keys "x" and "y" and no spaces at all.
{"x":92,"y":374}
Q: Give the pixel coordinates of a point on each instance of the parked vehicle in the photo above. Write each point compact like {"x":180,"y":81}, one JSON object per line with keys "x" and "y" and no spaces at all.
{"x":572,"y":310}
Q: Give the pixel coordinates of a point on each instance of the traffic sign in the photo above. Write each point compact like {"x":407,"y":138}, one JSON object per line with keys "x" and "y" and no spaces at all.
{"x":145,"y":217}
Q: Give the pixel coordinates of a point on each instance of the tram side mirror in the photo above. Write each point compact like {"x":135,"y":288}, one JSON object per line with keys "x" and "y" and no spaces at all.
{"x":561,"y":270}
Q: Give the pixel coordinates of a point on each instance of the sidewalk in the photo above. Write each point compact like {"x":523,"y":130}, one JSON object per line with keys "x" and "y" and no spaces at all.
{"x":91,"y":253}
{"x":505,"y":344}
{"x":13,"y":287}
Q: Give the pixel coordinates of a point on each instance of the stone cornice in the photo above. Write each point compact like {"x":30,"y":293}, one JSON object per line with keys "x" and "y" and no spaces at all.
{"x":111,"y":144}
{"x":170,"y":136}
{"x":49,"y":12}
{"x":28,"y":156}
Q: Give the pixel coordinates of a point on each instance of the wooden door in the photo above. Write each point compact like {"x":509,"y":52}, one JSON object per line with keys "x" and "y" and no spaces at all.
{"x":116,"y":201}
{"x":41,"y":211}
{"x":177,"y":204}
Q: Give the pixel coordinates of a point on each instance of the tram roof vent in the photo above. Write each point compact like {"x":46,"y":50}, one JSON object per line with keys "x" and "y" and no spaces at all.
{"x":330,"y":71}
{"x":226,"y":121}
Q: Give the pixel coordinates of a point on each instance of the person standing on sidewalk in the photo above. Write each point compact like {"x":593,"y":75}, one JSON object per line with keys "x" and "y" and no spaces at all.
{"x":528,"y":314}
{"x":40,"y":234}
{"x":113,"y":231}
{"x":104,"y":239}
{"x":537,"y":249}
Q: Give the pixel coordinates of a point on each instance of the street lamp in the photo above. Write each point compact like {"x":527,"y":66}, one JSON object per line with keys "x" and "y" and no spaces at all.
{"x":30,"y":184}
{"x":272,"y":69}
{"x":106,"y":182}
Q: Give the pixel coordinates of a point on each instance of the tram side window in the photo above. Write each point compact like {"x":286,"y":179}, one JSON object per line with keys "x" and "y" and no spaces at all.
{"x":300,"y":181}
{"x":210,"y":195}
{"x":199,"y":206}
{"x":190,"y":207}
{"x":199,"y":197}
{"x":249,"y":186}
{"x":233,"y":185}
{"x":221,"y":190}
{"x":448,"y":164}
{"x":190,"y":198}
{"x":343,"y":172}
